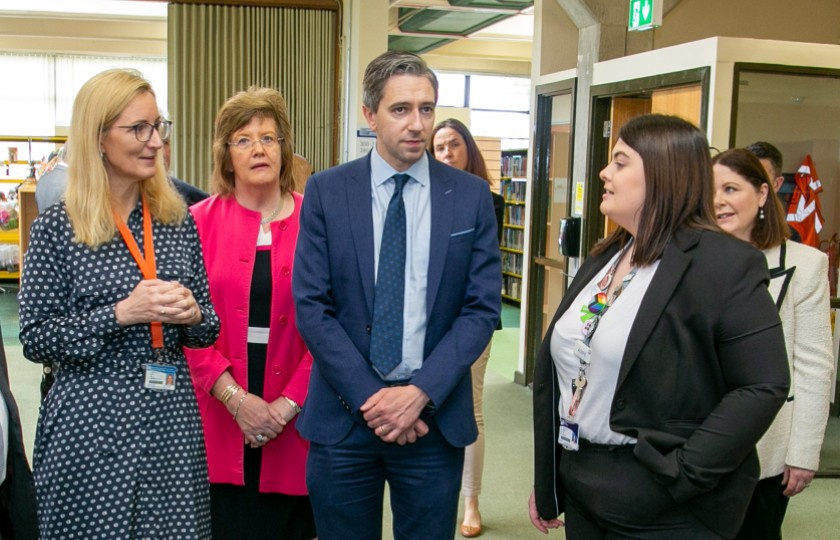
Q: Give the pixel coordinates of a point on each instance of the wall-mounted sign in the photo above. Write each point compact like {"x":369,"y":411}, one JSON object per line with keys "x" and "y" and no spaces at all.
{"x":644,"y":14}
{"x":365,"y":141}
{"x":578,"y":202}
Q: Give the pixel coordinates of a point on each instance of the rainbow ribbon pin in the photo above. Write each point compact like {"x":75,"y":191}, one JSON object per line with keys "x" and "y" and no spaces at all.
{"x":599,"y":302}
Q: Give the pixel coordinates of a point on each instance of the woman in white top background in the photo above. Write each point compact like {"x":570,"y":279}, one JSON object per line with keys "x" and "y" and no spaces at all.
{"x":746,"y":206}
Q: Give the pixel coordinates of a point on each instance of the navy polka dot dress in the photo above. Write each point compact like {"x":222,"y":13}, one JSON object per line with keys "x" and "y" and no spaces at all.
{"x":112,"y":459}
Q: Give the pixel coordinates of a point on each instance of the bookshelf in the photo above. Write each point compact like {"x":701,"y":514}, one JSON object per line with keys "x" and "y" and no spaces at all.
{"x":22,"y":158}
{"x":512,"y":187}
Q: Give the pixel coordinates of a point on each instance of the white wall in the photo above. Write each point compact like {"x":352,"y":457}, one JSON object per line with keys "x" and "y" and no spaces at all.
{"x":798,"y":131}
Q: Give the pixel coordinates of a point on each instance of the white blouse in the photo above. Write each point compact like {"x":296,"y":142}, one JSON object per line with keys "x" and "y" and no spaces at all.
{"x":608,"y":343}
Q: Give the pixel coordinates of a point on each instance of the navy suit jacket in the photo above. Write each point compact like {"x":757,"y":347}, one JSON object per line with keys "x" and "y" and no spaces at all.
{"x":333,"y":285}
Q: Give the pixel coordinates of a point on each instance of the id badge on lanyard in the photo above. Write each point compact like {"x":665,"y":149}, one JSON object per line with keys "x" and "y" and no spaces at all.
{"x":158,"y":376}
{"x":568,"y":435}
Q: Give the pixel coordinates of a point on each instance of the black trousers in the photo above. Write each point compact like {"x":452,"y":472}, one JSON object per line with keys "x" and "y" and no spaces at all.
{"x":608,"y":494}
{"x":766,"y":511}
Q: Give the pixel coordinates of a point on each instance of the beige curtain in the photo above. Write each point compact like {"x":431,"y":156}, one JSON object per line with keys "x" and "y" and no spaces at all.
{"x":216,"y":51}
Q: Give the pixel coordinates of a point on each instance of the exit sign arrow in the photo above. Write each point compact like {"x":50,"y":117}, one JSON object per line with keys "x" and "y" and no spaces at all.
{"x":644,"y":14}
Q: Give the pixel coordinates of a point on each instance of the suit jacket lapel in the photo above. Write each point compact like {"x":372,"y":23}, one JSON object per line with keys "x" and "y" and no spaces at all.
{"x":443,"y":199}
{"x":672,"y":266}
{"x":361,"y":224}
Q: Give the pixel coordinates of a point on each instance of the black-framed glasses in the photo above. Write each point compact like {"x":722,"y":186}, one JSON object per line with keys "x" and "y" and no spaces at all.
{"x":266,"y":141}
{"x":143,"y":130}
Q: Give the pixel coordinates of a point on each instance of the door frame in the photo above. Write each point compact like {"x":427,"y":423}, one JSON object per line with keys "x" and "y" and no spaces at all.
{"x":539,"y":213}
{"x":777,"y":69}
{"x":598,"y":153}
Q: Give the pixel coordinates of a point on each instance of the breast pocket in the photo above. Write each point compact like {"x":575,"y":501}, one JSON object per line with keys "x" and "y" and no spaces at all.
{"x":94,"y":295}
{"x":465,"y":235}
{"x":176,"y":269}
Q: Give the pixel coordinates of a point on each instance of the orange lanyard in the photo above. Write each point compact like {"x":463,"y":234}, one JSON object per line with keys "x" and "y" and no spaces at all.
{"x":147,"y":264}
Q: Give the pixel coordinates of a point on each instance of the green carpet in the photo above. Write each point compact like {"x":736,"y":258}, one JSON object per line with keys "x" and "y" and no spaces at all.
{"x":508,"y":474}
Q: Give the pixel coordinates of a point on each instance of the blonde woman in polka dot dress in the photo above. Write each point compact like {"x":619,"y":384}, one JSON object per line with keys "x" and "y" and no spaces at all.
{"x":113,"y":287}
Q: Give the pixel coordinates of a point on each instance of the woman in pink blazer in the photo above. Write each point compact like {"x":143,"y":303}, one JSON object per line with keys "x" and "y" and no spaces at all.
{"x":252,"y":382}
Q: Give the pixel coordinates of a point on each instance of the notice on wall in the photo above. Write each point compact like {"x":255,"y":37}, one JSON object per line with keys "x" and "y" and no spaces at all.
{"x":560,"y":187}
{"x":365,"y":139}
{"x":578,"y":205}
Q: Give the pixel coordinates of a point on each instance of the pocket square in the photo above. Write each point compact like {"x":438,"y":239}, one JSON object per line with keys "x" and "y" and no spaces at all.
{"x":461,"y":233}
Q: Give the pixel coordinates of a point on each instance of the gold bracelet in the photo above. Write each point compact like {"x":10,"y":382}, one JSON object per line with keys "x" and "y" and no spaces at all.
{"x":239,"y":404}
{"x":229,"y":392}
{"x":294,"y":405}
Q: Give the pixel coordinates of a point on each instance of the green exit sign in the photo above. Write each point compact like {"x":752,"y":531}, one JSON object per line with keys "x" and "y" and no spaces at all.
{"x":644,"y":14}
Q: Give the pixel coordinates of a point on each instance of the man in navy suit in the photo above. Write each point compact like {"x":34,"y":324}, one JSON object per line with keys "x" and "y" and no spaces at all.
{"x":404,"y":421}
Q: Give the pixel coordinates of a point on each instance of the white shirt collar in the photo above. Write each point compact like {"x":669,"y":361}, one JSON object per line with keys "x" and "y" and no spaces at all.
{"x":381,"y":171}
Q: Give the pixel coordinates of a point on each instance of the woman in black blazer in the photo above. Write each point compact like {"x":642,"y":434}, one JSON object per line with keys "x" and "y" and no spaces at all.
{"x":665,"y":361}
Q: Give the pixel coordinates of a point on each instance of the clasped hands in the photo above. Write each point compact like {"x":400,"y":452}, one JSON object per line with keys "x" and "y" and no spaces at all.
{"x":261,"y":421}
{"x":155,"y":300}
{"x":393,"y":413}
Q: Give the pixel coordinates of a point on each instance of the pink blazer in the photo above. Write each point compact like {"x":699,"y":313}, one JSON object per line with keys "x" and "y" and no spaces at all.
{"x":228,"y":235}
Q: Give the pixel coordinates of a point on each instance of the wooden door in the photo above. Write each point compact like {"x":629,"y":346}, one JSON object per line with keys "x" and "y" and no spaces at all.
{"x":623,"y":110}
{"x":683,"y":101}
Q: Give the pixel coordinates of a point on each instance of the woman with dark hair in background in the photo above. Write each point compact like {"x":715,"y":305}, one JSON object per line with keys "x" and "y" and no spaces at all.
{"x":747,"y":207}
{"x":665,"y":361}
{"x":453,"y":144}
{"x":113,"y":288}
{"x":254,"y":379}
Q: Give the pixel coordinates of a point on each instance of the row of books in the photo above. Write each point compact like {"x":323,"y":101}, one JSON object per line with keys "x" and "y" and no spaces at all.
{"x":513,"y":239}
{"x":513,"y":166}
{"x":515,"y":215}
{"x":513,"y":190}
{"x":511,"y":286}
{"x":512,"y":262}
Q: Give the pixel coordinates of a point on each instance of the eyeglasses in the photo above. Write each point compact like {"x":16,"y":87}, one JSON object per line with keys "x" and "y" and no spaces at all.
{"x":244,"y":143}
{"x":143,"y":130}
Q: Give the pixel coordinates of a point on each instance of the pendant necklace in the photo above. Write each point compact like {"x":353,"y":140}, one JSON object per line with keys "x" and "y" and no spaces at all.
{"x":269,"y":219}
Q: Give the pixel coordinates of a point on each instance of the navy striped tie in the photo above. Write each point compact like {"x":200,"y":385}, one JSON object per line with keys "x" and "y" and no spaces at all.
{"x":389,"y":296}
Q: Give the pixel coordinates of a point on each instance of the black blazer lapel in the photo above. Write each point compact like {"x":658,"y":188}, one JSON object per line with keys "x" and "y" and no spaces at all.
{"x":361,"y":224}
{"x":672,"y":266}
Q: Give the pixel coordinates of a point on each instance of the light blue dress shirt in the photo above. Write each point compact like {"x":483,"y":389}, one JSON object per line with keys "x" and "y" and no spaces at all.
{"x":418,"y":216}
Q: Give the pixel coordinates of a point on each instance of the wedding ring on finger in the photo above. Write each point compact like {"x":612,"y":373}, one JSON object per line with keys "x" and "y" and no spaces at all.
{"x":162,"y":311}
{"x":382,"y":429}
{"x":261,"y":438}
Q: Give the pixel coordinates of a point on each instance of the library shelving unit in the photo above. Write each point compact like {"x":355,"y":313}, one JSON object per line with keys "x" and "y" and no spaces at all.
{"x":21,"y":157}
{"x":512,"y":187}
